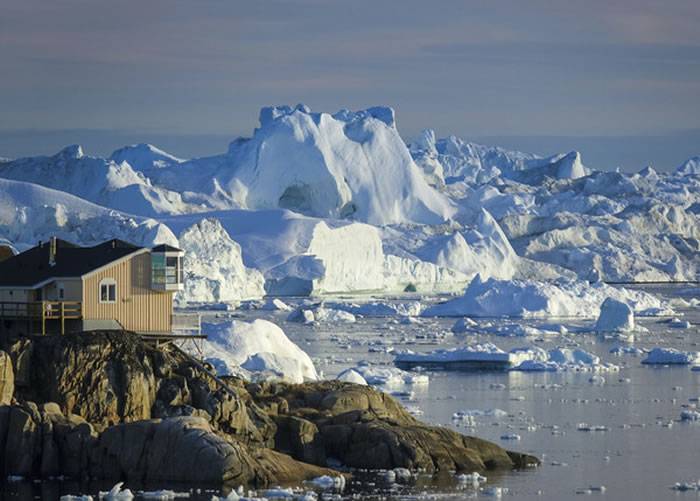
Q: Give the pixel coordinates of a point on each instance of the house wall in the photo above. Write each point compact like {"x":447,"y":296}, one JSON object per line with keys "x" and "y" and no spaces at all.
{"x":72,"y":289}
{"x":137,"y":307}
{"x":15,"y":295}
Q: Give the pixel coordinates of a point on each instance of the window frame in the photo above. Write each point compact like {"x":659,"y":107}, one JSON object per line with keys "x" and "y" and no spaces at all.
{"x":107,"y":282}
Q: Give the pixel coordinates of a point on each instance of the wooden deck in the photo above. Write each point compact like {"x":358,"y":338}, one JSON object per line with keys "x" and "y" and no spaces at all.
{"x":42,"y":312}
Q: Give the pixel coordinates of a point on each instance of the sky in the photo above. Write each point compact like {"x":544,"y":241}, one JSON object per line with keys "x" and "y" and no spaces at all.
{"x":617,"y":80}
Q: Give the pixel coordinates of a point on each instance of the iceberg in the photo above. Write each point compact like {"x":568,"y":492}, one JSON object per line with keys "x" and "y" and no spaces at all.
{"x":260,"y":347}
{"x":537,"y":299}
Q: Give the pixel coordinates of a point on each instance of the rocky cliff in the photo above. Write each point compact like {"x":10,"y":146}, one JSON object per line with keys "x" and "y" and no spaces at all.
{"x":106,"y":405}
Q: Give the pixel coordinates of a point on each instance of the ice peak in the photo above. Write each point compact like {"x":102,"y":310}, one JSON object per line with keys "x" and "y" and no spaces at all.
{"x":570,"y":166}
{"x":72,"y":152}
{"x":426,"y":141}
{"x":690,"y":167}
{"x":270,"y":113}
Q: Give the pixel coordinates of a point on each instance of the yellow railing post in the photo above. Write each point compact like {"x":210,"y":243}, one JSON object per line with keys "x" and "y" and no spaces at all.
{"x":43,"y":318}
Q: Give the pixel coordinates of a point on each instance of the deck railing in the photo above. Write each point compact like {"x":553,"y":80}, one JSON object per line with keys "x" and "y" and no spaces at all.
{"x":42,"y":311}
{"x":187,"y":322}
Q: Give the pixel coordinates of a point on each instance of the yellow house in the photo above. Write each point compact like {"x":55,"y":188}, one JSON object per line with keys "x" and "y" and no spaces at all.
{"x":59,"y":287}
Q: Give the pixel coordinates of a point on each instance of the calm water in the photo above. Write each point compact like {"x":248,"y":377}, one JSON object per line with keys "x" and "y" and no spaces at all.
{"x":645,"y":450}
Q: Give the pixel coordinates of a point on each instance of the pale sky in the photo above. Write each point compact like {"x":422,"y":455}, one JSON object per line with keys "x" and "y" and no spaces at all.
{"x":541,"y":75}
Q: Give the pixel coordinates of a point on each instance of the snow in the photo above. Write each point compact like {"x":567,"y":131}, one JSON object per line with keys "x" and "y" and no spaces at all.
{"x":615,"y":316}
{"x":531,"y":299}
{"x":671,"y":356}
{"x":352,"y":376}
{"x":30,"y":213}
{"x":690,"y":167}
{"x":144,"y":157}
{"x":485,"y":250}
{"x":104,"y":182}
{"x":260,"y":347}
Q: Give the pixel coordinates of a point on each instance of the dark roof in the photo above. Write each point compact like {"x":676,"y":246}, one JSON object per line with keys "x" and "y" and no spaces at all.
{"x":165,"y":248}
{"x":32,"y":266}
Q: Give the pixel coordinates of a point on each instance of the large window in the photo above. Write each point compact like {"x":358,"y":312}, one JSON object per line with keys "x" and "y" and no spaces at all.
{"x":166,"y":271}
{"x":108,"y":291}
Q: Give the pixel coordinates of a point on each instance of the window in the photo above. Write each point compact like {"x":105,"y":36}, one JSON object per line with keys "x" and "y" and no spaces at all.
{"x":61,"y":291}
{"x":108,"y":290}
{"x":166,"y":271}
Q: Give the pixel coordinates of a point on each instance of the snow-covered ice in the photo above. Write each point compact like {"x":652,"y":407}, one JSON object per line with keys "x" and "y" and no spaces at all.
{"x":530,"y":299}
{"x":671,"y":356}
{"x":260,"y":347}
{"x":615,"y":316}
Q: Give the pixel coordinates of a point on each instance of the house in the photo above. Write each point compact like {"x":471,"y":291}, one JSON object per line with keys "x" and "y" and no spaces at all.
{"x":59,"y":287}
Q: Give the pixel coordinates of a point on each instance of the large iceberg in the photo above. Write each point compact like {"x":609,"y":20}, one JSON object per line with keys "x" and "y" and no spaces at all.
{"x":213,"y":265}
{"x":533,"y":299}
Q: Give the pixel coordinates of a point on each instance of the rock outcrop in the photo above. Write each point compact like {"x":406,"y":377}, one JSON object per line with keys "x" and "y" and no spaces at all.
{"x":364,"y":428}
{"x":106,"y":405}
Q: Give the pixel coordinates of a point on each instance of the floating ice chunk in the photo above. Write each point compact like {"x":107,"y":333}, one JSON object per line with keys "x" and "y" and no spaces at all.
{"x":627,"y":350}
{"x":80,"y":497}
{"x":510,"y":436}
{"x":390,"y":377}
{"x":381,"y":308}
{"x":351,"y":376}
{"x":686,"y":486}
{"x":671,"y":356}
{"x":162,"y":495}
{"x":302,"y":315}
{"x":116,"y":493}
{"x":588,"y":427}
{"x":275,"y":304}
{"x":575,"y":356}
{"x":330,"y":315}
{"x":690,"y":415}
{"x":463,"y":325}
{"x":560,"y":359}
{"x":485,"y":355}
{"x":615,"y":316}
{"x":496,"y":492}
{"x":496,"y":413}
{"x":473,"y":479}
{"x":403,"y":474}
{"x":677,"y":323}
{"x":327,"y":482}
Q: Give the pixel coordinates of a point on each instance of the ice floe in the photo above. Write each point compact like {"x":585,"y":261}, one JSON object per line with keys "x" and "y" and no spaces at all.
{"x":671,"y":356}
